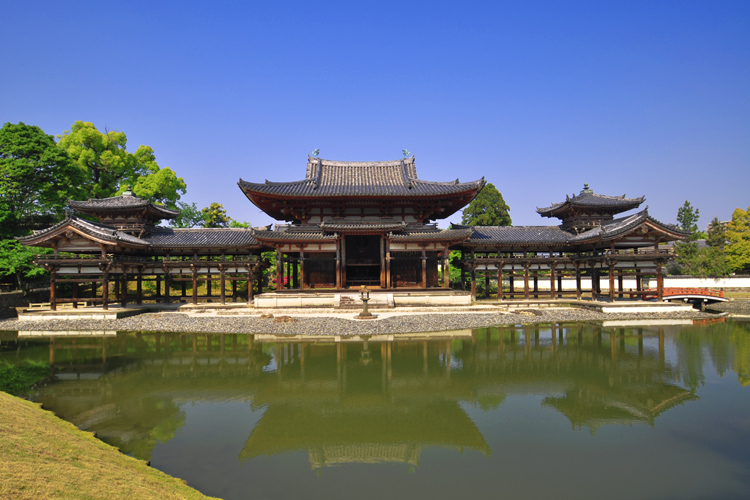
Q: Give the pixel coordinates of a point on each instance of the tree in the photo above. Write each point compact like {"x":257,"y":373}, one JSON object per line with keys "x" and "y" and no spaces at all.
{"x":215,"y":216}
{"x":110,"y":169}
{"x":692,"y":259}
{"x":487,"y":209}
{"x":716,"y":236}
{"x":738,"y":235}
{"x":687,"y":219}
{"x":36,"y":177}
{"x":190,"y":216}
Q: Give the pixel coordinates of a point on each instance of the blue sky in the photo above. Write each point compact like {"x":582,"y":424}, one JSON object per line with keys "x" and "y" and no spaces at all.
{"x":639,"y":98}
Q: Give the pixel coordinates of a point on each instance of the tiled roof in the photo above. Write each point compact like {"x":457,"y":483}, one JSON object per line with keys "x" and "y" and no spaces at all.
{"x":283,"y":236}
{"x":385,"y":178}
{"x":519,"y":235}
{"x":440,"y":235}
{"x":589,"y":199}
{"x":123,"y":203}
{"x":330,"y":227}
{"x":618,"y":227}
{"x":164,"y":237}
{"x":93,"y":229}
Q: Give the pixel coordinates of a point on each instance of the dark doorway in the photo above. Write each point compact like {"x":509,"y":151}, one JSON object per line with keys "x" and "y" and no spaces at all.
{"x":362,"y":260}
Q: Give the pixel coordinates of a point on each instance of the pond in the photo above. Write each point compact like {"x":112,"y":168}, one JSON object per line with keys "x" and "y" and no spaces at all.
{"x":543,"y":411}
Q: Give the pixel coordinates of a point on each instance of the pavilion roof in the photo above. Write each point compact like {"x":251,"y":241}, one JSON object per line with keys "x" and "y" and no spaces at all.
{"x":624,"y":225}
{"x":101,"y":233}
{"x":587,"y":199}
{"x":123,"y":204}
{"x":328,"y":178}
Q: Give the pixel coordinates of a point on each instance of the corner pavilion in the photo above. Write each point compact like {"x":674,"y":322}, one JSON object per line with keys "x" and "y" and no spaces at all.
{"x":345,"y":225}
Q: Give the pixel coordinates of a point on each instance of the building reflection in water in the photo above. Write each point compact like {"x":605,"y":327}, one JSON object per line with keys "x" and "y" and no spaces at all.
{"x":373,"y":399}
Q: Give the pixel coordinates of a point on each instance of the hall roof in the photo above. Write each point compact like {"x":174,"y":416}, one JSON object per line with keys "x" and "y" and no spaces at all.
{"x":588,"y":200}
{"x":328,"y":178}
{"x":124,"y":204}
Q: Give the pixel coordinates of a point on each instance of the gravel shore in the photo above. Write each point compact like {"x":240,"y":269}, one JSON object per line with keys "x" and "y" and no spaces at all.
{"x":736,"y":306}
{"x":317,"y":322}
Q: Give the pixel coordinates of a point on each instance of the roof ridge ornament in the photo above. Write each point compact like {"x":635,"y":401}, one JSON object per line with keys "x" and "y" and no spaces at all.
{"x":586,"y":189}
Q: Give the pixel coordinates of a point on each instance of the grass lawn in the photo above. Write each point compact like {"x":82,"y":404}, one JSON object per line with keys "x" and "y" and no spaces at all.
{"x":42,"y":456}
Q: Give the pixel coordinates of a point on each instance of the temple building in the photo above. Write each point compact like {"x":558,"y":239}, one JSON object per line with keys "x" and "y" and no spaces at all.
{"x":347,"y":225}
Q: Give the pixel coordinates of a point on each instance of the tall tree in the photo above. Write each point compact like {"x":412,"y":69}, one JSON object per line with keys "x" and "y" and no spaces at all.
{"x":687,"y":218}
{"x":738,"y":235}
{"x":36,"y":177}
{"x":110,"y":169}
{"x":190,"y":216}
{"x":716,"y":236}
{"x":487,"y":209}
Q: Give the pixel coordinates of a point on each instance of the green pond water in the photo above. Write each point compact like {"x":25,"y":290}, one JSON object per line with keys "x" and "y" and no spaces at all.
{"x":548,"y":411}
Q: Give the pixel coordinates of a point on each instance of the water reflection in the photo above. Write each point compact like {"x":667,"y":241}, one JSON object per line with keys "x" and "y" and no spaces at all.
{"x":376,"y":398}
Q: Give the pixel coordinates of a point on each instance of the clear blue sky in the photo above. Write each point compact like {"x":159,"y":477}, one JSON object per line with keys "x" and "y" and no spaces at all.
{"x":639,"y":98}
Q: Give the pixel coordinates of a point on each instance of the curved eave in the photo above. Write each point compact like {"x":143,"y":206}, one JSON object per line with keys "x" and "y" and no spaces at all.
{"x":450,"y":202}
{"x":613,"y":205}
{"x":448,"y":236}
{"x":99,"y":235}
{"x":642,"y":224}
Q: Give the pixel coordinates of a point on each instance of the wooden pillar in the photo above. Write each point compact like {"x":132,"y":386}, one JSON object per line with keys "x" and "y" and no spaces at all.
{"x":52,"y":291}
{"x":473,"y":282}
{"x":117,"y":288}
{"x":223,"y":281}
{"x":124,"y":286}
{"x":446,"y":269}
{"x":75,"y":295}
{"x":500,"y":287}
{"x":594,"y":282}
{"x":559,"y":284}
{"x":209,"y":282}
{"x":105,"y":290}
{"x":338,"y":263}
{"x":158,"y":285}
{"x":388,"y":277}
{"x":659,"y":282}
{"x":619,"y":283}
{"x":279,"y":270}
{"x":302,"y":274}
{"x":536,"y":283}
{"x":611,"y":282}
{"x":526,"y":281}
{"x":424,"y":268}
{"x":578,"y":281}
{"x":250,"y":283}
{"x":194,"y":271}
{"x":463,"y":276}
{"x":382,"y":262}
{"x":486,"y":282}
{"x":552,"y":281}
{"x":139,"y":286}
{"x":167,"y":285}
{"x":511,"y":282}
{"x":638,"y":282}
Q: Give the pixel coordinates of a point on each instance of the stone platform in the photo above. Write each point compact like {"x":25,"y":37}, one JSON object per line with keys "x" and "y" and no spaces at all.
{"x":351,"y":299}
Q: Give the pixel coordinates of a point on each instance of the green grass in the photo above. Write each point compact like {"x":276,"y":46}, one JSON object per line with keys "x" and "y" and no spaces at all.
{"x":42,"y":456}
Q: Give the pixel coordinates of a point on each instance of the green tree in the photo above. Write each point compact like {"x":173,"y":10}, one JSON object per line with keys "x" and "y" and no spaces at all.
{"x":487,"y":209}
{"x":36,"y":178}
{"x":110,"y":169}
{"x":215,"y":216}
{"x":738,"y":235}
{"x":716,"y":236}
{"x":687,"y":219}
{"x":190,"y":216}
